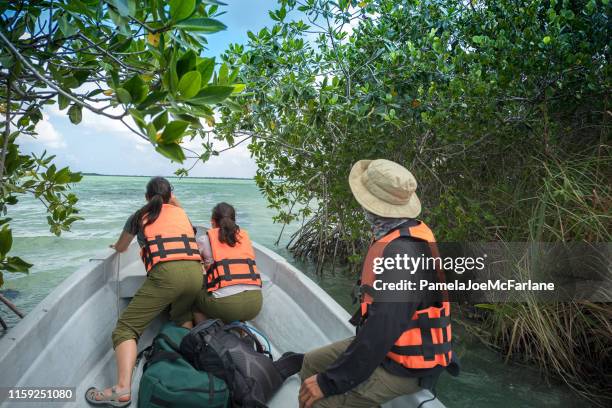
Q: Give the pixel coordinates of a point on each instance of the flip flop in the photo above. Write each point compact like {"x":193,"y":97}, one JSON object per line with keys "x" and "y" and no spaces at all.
{"x":110,"y":400}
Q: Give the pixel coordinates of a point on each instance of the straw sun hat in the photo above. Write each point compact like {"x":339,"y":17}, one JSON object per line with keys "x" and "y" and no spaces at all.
{"x":385,"y":188}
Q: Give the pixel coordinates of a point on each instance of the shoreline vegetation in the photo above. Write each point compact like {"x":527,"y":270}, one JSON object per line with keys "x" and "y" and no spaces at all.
{"x":501,"y":110}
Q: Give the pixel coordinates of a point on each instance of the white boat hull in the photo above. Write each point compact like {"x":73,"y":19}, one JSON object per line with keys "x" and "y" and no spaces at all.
{"x":66,"y":340}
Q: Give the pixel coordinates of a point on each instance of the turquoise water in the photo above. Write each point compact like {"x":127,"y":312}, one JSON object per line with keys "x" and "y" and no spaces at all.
{"x":106,"y":202}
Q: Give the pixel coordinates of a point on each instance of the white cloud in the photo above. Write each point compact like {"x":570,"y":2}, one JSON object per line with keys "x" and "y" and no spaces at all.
{"x":47,"y":135}
{"x":111,"y":148}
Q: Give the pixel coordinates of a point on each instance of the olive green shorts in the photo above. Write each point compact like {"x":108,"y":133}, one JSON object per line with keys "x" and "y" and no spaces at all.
{"x":241,"y":306}
{"x":173,"y":283}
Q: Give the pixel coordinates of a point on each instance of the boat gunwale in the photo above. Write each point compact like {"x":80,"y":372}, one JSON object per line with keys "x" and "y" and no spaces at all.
{"x":23,"y":332}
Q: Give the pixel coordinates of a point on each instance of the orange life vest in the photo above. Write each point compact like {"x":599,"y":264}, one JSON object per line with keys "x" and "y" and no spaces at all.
{"x":426,"y":343}
{"x":233,"y":265}
{"x":169,"y":238}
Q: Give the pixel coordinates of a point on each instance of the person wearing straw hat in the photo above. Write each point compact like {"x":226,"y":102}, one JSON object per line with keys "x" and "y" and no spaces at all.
{"x":402,"y":344}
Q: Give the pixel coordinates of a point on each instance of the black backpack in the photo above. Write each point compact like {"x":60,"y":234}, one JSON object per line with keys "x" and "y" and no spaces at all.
{"x":233,"y":353}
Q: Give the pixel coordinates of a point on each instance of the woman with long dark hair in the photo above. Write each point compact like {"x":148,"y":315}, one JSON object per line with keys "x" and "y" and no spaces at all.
{"x":174,"y":278}
{"x":233,"y":284}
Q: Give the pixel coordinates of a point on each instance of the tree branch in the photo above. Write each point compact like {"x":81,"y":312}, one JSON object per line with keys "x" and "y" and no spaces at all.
{"x":97,"y":47}
{"x":7,"y":129}
{"x":37,"y":74}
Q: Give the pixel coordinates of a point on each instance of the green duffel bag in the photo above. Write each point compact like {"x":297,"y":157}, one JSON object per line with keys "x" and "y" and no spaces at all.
{"x":168,"y":381}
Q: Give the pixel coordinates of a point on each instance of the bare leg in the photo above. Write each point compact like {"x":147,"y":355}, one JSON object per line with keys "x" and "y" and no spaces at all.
{"x":125,"y":353}
{"x":198,"y":317}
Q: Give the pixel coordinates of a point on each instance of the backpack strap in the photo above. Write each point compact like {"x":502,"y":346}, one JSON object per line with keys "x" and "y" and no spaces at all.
{"x":161,"y":355}
{"x":246,"y":329}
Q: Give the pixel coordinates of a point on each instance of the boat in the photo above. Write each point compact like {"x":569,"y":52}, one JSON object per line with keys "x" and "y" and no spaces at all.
{"x":66,"y":340}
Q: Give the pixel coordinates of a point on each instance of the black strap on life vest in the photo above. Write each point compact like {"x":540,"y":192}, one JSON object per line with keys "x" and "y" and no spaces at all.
{"x":367,"y":290}
{"x":227,"y":275}
{"x":162,"y":252}
{"x":404,"y":232}
{"x":428,"y":349}
{"x":437,"y":323}
{"x":445,"y":334}
{"x":441,"y":348}
{"x":356,"y":319}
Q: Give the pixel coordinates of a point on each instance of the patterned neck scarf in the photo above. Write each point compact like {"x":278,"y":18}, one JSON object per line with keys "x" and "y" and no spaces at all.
{"x":382,"y":225}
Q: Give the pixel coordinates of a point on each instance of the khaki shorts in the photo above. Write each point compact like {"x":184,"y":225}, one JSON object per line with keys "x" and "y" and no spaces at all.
{"x":381,"y":387}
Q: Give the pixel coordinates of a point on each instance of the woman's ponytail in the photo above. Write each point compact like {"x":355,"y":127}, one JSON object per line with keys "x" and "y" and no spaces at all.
{"x":224,"y":216}
{"x":158,"y":193}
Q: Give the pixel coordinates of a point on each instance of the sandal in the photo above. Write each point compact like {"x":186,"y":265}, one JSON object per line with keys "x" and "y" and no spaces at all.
{"x":107,"y":400}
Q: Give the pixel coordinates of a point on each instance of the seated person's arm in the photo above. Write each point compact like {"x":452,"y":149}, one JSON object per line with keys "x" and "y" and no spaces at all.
{"x":385,"y":323}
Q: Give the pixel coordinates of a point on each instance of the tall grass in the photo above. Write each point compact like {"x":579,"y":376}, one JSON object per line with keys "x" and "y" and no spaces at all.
{"x":571,"y":341}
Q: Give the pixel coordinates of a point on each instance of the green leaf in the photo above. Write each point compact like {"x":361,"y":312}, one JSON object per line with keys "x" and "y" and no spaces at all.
{"x":223,"y":74}
{"x":123,"y":95}
{"x":234,"y":75}
{"x":238,"y":88}
{"x":173,"y":75}
{"x":212,"y":94}
{"x":181,"y":9}
{"x":16,"y":264}
{"x":70,"y":82}
{"x":122,"y":23}
{"x":173,"y":131}
{"x":152,"y":98}
{"x":160,"y":120}
{"x":235,"y":107}
{"x":205,"y":25}
{"x":7,"y":61}
{"x":74,"y":178}
{"x":186,"y":63}
{"x":189,"y":85}
{"x":121,"y":6}
{"x":132,"y":7}
{"x":172,"y":151}
{"x":137,"y":88}
{"x":66,"y":27}
{"x":76,"y":7}
{"x":95,"y":92}
{"x":62,"y":101}
{"x":62,"y":176}
{"x":206,"y":69}
{"x":6,"y":240}
{"x":75,"y":114}
{"x":152,"y":133}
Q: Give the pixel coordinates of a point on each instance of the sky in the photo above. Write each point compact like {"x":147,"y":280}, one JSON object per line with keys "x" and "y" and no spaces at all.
{"x":101,"y":145}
